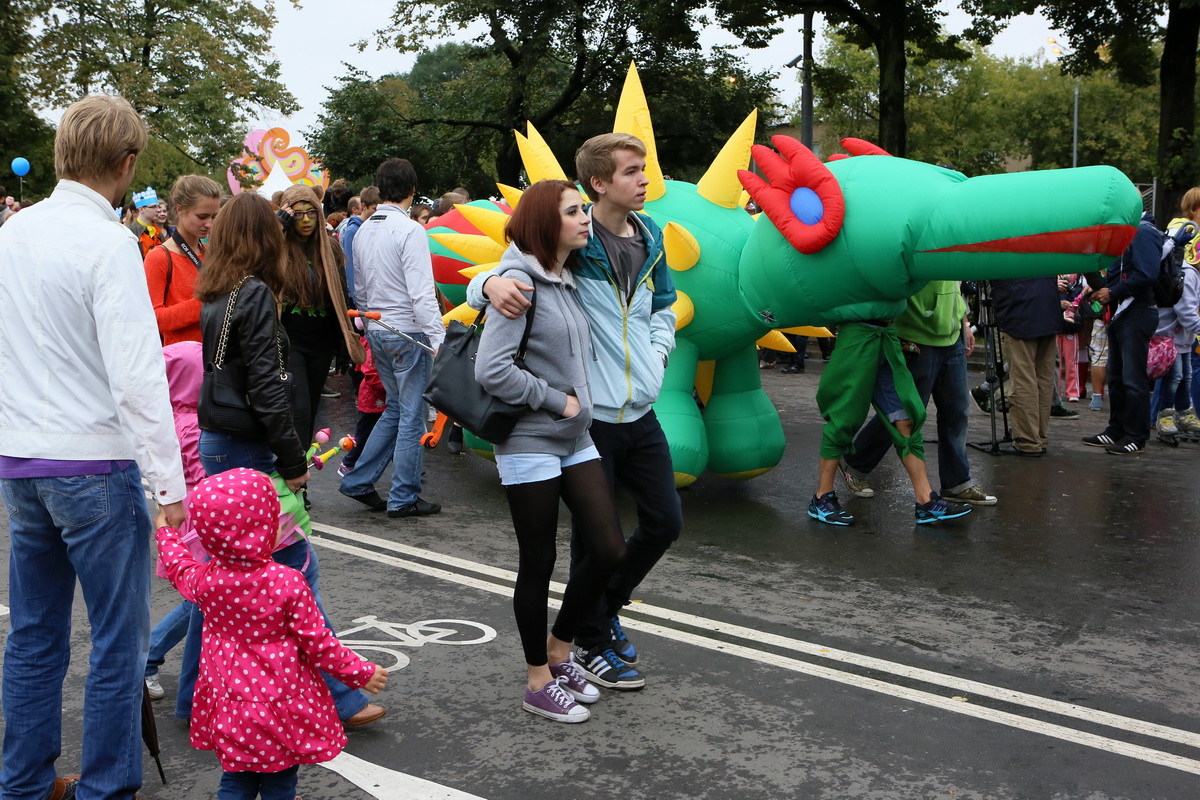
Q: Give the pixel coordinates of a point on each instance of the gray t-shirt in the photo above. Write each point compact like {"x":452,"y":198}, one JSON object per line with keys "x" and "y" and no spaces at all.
{"x":626,"y":254}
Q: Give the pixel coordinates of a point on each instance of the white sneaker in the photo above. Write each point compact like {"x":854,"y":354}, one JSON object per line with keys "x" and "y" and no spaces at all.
{"x":154,"y":688}
{"x":1166,"y":422}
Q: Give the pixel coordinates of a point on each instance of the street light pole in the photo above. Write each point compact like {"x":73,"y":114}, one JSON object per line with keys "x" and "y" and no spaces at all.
{"x":804,"y":61}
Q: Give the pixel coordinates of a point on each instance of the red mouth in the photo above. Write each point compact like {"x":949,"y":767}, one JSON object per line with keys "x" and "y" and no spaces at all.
{"x":1109,"y":240}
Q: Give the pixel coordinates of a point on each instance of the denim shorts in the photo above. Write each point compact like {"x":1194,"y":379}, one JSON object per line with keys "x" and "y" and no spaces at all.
{"x":885,"y":396}
{"x":533,"y":467}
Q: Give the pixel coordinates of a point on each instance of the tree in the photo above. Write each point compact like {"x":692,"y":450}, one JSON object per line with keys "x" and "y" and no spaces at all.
{"x":981,"y":115}
{"x":196,"y":71}
{"x":542,"y":57}
{"x":22,"y":132}
{"x":441,"y":115}
{"x":1124,"y":36}
{"x":890,"y":27}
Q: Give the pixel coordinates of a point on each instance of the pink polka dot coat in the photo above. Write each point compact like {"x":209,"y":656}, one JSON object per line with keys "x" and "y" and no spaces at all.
{"x":260,"y":702}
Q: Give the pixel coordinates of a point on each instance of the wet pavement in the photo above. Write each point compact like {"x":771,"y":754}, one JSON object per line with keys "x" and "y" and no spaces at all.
{"x":1043,"y":648}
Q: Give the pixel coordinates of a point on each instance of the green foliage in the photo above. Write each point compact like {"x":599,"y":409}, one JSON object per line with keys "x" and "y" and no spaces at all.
{"x":22,"y":132}
{"x":446,"y":115}
{"x":985,"y":114}
{"x":196,"y":71}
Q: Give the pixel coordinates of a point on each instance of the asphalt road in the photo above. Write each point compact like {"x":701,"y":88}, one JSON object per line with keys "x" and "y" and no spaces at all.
{"x":1044,"y":648}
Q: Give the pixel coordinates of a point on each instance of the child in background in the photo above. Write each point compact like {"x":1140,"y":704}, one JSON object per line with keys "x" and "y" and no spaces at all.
{"x":185,"y":372}
{"x":260,"y":702}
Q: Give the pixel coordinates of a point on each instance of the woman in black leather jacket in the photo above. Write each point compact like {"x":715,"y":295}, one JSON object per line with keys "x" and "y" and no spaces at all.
{"x":245,"y":254}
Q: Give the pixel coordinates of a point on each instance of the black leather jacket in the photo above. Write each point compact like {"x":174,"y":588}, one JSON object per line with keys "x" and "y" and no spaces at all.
{"x":251,"y":347}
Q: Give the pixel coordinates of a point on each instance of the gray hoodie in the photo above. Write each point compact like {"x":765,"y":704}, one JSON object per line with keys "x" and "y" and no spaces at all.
{"x":556,"y":356}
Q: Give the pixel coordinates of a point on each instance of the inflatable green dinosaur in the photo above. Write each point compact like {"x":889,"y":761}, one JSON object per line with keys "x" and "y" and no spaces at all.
{"x":848,"y":240}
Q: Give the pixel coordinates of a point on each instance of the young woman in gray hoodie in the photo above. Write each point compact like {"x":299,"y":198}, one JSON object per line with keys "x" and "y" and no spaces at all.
{"x":549,"y":454}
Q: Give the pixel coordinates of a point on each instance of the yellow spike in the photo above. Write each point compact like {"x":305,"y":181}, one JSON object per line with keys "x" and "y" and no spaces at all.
{"x":683,"y":251}
{"x":461,"y":312}
{"x":743,"y":198}
{"x":511,"y":194}
{"x":684,"y":310}
{"x":704,"y":380}
{"x":471,"y":272}
{"x":720,"y":183}
{"x":473,"y":248}
{"x":809,"y":330}
{"x":633,"y":117}
{"x":539,"y":160}
{"x":489,"y":221}
{"x":776,"y":341}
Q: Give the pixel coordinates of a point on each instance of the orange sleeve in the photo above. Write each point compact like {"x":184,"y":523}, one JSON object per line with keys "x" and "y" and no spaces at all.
{"x":171,"y":313}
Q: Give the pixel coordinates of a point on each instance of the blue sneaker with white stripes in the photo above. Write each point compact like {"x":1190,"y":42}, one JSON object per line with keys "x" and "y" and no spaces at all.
{"x":620,"y":642}
{"x":939,"y":508}
{"x":603,"y":667}
{"x":827,"y":509}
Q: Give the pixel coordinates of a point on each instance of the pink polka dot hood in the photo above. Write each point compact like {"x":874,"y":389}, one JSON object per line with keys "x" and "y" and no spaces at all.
{"x":236,"y":515}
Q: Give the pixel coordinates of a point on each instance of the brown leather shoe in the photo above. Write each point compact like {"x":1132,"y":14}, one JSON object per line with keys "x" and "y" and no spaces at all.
{"x":371,"y":713}
{"x":64,"y":788}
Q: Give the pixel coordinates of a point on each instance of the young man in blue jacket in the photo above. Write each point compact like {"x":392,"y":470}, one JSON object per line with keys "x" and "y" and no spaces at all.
{"x":1130,"y":291}
{"x":627,"y":294}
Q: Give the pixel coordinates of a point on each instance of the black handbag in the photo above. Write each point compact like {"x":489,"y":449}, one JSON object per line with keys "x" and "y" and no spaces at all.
{"x":453,"y":390}
{"x":223,"y":392}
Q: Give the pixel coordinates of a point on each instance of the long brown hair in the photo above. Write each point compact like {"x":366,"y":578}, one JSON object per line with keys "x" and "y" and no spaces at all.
{"x":245,"y":240}
{"x":535,"y":224}
{"x":305,"y":283}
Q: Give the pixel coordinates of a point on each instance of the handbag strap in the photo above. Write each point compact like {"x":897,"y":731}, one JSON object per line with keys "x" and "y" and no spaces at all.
{"x":222,"y":342}
{"x":519,"y":357}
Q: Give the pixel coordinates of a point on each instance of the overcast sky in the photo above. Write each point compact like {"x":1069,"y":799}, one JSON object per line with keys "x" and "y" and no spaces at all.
{"x":311,"y":43}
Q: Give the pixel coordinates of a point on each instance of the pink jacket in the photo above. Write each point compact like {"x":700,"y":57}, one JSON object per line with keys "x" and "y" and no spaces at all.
{"x":260,"y":702}
{"x":185,"y":372}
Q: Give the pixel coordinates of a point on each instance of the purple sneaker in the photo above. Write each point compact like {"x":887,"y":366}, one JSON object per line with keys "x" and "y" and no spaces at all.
{"x":553,"y":702}
{"x":571,"y":677}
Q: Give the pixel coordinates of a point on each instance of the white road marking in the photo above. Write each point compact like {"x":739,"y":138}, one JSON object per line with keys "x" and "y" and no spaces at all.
{"x":388,"y":784}
{"x":914,"y":695}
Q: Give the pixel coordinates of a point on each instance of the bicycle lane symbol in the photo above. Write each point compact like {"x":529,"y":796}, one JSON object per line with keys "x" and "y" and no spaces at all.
{"x":385,"y":636}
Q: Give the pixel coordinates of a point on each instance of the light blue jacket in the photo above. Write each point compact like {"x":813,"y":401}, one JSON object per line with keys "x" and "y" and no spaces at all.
{"x":631,"y":339}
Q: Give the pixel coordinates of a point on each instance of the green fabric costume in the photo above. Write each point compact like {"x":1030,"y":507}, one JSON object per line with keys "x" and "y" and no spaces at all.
{"x":844,"y":395}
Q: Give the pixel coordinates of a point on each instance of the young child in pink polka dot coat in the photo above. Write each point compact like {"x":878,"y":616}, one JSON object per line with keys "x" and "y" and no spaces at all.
{"x":260,"y":702}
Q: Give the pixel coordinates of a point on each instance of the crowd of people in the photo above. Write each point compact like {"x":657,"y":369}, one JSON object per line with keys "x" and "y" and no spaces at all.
{"x":209,"y":394}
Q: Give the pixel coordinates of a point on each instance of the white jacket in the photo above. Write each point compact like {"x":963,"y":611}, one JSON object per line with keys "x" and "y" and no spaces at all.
{"x":82,"y":375}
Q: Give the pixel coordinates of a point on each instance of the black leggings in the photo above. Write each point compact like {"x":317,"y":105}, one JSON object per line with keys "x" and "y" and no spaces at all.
{"x":534,"y":506}
{"x":310,"y":370}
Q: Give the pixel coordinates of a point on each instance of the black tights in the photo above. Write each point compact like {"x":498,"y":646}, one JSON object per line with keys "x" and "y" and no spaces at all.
{"x":534,"y":506}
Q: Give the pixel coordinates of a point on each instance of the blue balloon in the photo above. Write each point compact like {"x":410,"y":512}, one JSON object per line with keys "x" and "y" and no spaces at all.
{"x":20,"y":167}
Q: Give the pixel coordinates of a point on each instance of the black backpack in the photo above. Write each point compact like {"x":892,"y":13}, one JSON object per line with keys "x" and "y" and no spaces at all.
{"x":1168,"y":288}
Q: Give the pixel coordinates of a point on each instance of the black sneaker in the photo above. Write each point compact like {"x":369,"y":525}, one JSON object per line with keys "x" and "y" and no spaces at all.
{"x":1099,"y":440}
{"x":1062,"y":412}
{"x":793,"y":369}
{"x":604,"y":667}
{"x":826,"y":508}
{"x":982,"y":398}
{"x":939,"y":508}
{"x":330,"y":393}
{"x":1126,"y":447}
{"x":371,"y":500}
{"x":421,"y":508}
{"x":620,"y":642}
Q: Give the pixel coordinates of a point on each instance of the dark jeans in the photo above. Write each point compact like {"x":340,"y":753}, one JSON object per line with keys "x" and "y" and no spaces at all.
{"x":940,"y":373}
{"x":1128,"y":385}
{"x":310,"y":370}
{"x":635,"y":455}
{"x":267,"y":785}
{"x":218,"y":453}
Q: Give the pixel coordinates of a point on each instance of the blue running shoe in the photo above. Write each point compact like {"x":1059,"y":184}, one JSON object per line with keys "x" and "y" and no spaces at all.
{"x":620,"y":643}
{"x":605,"y":668}
{"x":826,"y":508}
{"x":939,"y":508}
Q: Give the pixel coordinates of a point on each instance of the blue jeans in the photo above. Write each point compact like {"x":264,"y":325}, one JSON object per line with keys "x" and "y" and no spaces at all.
{"x":220,"y":452}
{"x":396,"y":439}
{"x":166,"y":634}
{"x":940,"y":373}
{"x":267,"y":785}
{"x":94,"y":528}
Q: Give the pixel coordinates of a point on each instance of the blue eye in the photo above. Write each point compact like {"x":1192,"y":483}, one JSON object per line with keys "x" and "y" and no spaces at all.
{"x":807,"y":206}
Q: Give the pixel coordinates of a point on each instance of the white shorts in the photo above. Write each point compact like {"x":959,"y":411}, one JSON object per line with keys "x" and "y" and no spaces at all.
{"x":533,"y":467}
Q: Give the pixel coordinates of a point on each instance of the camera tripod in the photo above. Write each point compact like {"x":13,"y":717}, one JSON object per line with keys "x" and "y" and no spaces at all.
{"x":990,"y":395}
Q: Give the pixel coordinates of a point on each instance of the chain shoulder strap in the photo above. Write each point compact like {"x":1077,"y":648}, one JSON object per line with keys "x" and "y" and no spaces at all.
{"x":223,"y":341}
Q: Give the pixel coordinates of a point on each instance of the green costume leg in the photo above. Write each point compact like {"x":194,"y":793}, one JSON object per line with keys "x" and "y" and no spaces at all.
{"x":679,"y":416}
{"x":745,"y":436}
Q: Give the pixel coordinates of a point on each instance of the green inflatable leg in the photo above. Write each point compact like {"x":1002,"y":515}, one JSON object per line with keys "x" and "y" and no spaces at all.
{"x":680,"y":417}
{"x":745,"y":436}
